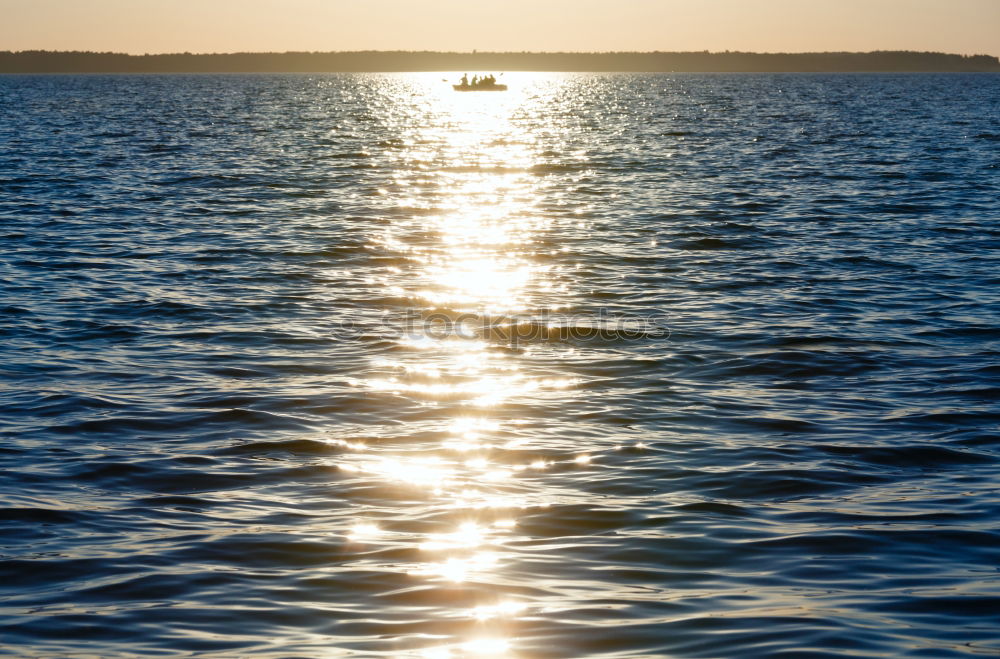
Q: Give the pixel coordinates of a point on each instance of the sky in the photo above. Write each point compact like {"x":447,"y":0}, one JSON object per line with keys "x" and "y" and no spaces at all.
{"x":158,"y":26}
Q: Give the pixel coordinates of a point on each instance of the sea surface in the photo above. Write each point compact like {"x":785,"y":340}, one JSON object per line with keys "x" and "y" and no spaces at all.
{"x":603,"y":366}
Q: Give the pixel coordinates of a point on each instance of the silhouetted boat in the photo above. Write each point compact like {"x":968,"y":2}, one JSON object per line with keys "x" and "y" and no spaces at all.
{"x":479,"y":87}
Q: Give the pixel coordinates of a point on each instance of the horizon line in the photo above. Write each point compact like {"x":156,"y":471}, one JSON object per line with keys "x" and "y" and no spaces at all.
{"x":371,"y":61}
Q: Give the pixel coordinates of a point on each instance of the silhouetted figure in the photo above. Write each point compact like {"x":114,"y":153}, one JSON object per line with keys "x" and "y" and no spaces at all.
{"x":484,"y":83}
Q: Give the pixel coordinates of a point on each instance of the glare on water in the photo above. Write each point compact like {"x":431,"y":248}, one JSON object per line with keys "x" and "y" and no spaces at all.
{"x":468,"y":258}
{"x":305,"y":365}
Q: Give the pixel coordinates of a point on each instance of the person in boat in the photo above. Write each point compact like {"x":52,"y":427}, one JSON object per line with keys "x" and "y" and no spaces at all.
{"x":475,"y":80}
{"x":465,"y":79}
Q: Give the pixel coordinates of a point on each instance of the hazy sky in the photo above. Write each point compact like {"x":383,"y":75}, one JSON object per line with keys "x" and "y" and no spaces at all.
{"x":156,"y":26}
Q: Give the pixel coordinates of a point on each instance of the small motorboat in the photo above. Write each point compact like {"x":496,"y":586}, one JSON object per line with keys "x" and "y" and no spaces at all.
{"x":486,"y":84}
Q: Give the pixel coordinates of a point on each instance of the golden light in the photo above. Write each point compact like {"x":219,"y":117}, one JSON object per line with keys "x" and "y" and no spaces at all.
{"x":429,"y":472}
{"x":458,"y":569}
{"x":436,"y":653}
{"x":468,"y":535}
{"x":487,"y":646}
{"x":465,"y":248}
{"x":351,"y":446}
{"x":364,"y":531}
{"x":506,"y":609}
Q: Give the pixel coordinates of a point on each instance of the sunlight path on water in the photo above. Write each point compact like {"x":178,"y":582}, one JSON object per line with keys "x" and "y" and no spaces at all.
{"x":469,"y":248}
{"x":303,"y":365}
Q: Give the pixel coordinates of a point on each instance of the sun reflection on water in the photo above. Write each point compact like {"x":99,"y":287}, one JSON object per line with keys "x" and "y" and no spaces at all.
{"x":468,"y":242}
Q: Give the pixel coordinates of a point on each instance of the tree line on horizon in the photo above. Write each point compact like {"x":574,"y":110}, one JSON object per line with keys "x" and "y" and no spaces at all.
{"x":41,"y":61}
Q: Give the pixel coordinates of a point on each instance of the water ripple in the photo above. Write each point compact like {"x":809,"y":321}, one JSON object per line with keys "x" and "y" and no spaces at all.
{"x":606,"y":366}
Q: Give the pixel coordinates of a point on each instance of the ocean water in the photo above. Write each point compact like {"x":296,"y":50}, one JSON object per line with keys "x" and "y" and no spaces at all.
{"x":603,"y":366}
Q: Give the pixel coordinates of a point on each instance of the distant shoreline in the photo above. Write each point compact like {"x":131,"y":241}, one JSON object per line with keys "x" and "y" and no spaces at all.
{"x":427,"y":61}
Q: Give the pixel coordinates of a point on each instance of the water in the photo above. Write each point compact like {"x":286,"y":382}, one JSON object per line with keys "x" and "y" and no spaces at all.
{"x":605,"y":366}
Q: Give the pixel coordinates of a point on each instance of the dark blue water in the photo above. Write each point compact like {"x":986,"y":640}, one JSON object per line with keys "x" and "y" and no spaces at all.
{"x":605,"y":366}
